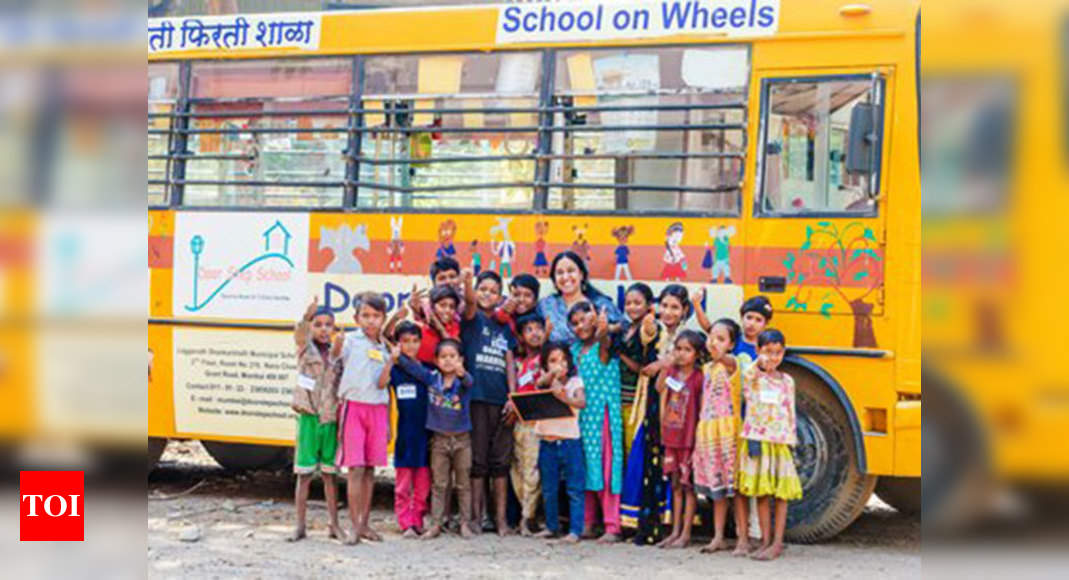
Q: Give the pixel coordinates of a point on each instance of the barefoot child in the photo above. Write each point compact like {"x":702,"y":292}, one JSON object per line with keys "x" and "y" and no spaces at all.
{"x":681,"y":385}
{"x":488,"y":347}
{"x":643,"y":503}
{"x":364,"y":415}
{"x":560,"y":454}
{"x":766,"y":465}
{"x":316,"y":403}
{"x":715,"y":442}
{"x":413,"y":474}
{"x":531,"y":330}
{"x":600,"y":420}
{"x":449,"y":421}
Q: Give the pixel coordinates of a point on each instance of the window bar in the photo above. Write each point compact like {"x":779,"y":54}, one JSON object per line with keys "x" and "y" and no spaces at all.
{"x":181,"y":139}
{"x":545,"y":119}
{"x":549,"y":108}
{"x":356,"y":137}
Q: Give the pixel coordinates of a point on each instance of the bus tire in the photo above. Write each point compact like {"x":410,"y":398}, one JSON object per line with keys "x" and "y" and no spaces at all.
{"x":834,"y":491}
{"x":156,"y":445}
{"x":241,"y":456}
{"x":901,"y":493}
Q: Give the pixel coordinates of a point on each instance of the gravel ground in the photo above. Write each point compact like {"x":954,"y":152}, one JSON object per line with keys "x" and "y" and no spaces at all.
{"x":204,"y":521}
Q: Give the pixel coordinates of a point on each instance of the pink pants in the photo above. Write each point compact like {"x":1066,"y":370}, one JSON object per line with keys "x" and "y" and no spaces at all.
{"x":610,"y":502}
{"x":410,"y":491}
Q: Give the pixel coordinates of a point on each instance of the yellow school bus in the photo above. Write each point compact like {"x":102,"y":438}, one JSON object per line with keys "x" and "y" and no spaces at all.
{"x":995,"y":318}
{"x":742,"y":147}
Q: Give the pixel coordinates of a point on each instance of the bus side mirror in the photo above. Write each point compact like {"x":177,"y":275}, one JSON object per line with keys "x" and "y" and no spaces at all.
{"x":861,"y":141}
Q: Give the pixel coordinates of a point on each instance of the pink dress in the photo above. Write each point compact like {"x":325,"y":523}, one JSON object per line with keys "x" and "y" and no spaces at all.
{"x":717,"y":434}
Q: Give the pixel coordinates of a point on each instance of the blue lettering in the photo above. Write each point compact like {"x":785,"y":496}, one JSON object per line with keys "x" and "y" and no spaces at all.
{"x":644,"y":16}
{"x":621,"y":23}
{"x":700,"y":12}
{"x":587,"y":24}
{"x":546,"y":13}
{"x":512,"y":22}
{"x":566,"y":21}
{"x":719,"y":16}
{"x":753,"y":12}
{"x":766,"y":16}
{"x":738,"y":17}
{"x":329,"y":291}
{"x":674,"y":16}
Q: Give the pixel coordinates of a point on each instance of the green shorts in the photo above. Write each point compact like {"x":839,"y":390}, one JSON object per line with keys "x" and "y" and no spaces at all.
{"x":317,"y":444}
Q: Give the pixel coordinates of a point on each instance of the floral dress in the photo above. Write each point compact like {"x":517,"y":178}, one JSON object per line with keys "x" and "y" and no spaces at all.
{"x":715,"y":442}
{"x":766,"y":468}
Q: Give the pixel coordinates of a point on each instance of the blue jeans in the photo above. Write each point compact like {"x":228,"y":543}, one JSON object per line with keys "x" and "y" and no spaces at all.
{"x":562,"y":460}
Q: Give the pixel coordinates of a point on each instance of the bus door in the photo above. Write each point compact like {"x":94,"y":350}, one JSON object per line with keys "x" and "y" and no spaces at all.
{"x":817,"y":235}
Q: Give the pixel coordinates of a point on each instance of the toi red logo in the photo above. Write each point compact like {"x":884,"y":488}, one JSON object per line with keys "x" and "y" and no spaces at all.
{"x":51,"y":506}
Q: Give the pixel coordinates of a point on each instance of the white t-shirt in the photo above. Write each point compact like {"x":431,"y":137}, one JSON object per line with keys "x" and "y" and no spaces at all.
{"x":363,"y":362}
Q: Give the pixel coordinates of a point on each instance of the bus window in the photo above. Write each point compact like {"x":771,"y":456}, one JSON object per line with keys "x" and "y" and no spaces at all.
{"x":658,"y":129}
{"x":162,"y":95}
{"x":968,"y":145}
{"x":449,"y":131}
{"x":807,"y":165}
{"x":268,"y":133}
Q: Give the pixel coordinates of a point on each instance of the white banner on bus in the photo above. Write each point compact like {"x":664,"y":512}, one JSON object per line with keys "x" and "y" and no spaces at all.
{"x":584,"y":21}
{"x":234,"y":32}
{"x":240,"y":265}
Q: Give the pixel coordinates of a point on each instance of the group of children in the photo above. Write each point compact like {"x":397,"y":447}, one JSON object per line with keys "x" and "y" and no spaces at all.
{"x":661,"y":413}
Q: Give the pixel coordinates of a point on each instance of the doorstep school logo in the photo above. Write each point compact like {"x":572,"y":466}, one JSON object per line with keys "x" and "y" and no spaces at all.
{"x":51,"y":506}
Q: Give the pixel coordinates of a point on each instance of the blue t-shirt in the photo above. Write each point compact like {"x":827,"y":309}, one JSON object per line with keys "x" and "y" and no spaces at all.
{"x":621,"y":254}
{"x":486,"y":342}
{"x":743,"y":347}
{"x":410,"y":393}
{"x":447,"y":409}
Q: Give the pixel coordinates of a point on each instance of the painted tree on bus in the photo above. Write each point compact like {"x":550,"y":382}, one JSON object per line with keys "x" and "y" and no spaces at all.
{"x":848,"y":260}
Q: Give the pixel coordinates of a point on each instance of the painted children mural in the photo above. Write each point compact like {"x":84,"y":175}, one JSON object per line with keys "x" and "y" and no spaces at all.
{"x":675,"y":261}
{"x":504,"y":249}
{"x":396,"y":247}
{"x":580,"y":245}
{"x":446,"y":232}
{"x":623,"y":252}
{"x":717,"y":257}
{"x":541,"y":264}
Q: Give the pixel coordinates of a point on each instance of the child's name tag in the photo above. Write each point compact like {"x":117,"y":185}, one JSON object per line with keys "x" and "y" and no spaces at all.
{"x":306,"y":382}
{"x":674,"y":384}
{"x":374,"y":355}
{"x":769,"y":396}
{"x":406,"y":392}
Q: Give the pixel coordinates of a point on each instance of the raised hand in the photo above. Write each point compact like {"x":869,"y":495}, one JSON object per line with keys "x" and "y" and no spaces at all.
{"x":509,"y":305}
{"x":697,"y":298}
{"x":649,"y":323}
{"x":395,"y":352}
{"x":310,"y":312}
{"x":602,"y":327}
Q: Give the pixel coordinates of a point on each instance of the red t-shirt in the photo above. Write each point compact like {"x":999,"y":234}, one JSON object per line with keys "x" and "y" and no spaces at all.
{"x":431,"y":339}
{"x":680,"y":417}
{"x":530,"y":370}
